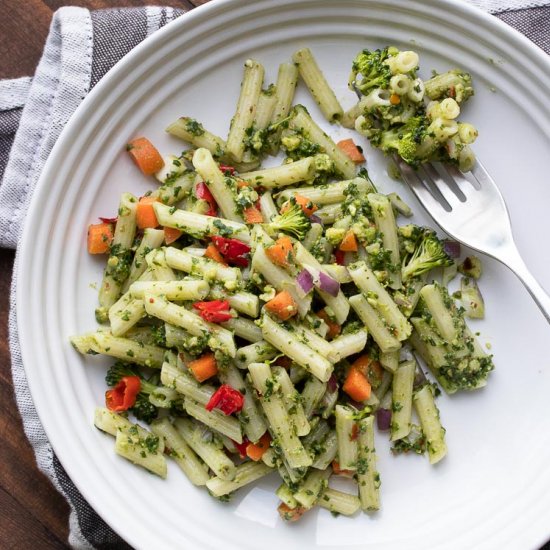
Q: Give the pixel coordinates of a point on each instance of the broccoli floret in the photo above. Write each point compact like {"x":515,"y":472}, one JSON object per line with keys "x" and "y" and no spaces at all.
{"x":324,"y":170}
{"x":374,"y":71}
{"x":102,"y":315}
{"x":143,"y":409}
{"x":405,"y":140}
{"x":428,"y":255}
{"x":410,"y":237}
{"x":364,"y":230}
{"x":323,"y":163}
{"x":121,"y":369}
{"x":118,"y":371}
{"x":335,"y":235}
{"x":158,"y":335}
{"x":455,"y":83}
{"x":292,"y":220}
{"x":297,"y":146}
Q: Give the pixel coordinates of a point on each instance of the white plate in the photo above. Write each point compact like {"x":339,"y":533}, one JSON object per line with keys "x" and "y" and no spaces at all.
{"x":493,"y":490}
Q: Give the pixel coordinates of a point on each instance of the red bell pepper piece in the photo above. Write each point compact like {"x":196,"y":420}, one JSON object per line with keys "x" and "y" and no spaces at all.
{"x":214,"y":311}
{"x":241,"y":447}
{"x":339,"y":256}
{"x":233,"y":250}
{"x":123,"y":396}
{"x":227,"y":399}
{"x":227,"y":169}
{"x":202,"y":192}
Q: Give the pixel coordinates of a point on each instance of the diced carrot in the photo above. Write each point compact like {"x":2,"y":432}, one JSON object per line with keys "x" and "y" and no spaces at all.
{"x":351,"y":150}
{"x":308,"y":207}
{"x":214,"y":254}
{"x":338,"y":471}
{"x":243,"y":183}
{"x":356,"y":385}
{"x":334,"y":328}
{"x":395,"y":99}
{"x":362,"y":363}
{"x":204,"y":367}
{"x":253,"y":215}
{"x":349,"y":242}
{"x":280,"y":252}
{"x":145,"y":213}
{"x":291,"y":514}
{"x":255,"y":451}
{"x":145,"y":155}
{"x":171,"y":235}
{"x":370,"y":368}
{"x":283,"y":305}
{"x":100,"y":237}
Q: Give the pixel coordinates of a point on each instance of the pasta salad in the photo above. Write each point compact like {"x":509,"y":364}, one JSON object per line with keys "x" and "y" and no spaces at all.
{"x":269,"y":320}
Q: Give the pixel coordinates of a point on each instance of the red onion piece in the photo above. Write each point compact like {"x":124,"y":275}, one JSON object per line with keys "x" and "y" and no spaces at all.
{"x":241,"y":447}
{"x":323,"y":281}
{"x":383,"y":419}
{"x":314,"y":272}
{"x":332,"y":384}
{"x":452,"y":248}
{"x":305,"y":281}
{"x":315,"y":219}
{"x":108,"y":220}
{"x":328,"y":284}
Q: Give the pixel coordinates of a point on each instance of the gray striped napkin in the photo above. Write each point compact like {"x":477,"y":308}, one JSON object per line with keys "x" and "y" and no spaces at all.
{"x":81,"y":47}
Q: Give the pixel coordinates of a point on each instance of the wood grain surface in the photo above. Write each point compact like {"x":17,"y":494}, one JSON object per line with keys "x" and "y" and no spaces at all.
{"x":32,"y":513}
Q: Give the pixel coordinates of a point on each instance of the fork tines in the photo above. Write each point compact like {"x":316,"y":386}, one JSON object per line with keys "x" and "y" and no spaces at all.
{"x":443,"y":186}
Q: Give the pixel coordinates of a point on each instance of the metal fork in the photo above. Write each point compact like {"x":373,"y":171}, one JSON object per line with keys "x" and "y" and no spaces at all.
{"x":475,"y":214}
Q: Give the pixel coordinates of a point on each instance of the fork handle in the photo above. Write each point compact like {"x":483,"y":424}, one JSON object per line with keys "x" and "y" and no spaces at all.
{"x":515,"y":262}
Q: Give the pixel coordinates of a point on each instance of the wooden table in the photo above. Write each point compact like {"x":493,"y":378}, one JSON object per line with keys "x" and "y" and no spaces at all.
{"x":32,"y":513}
